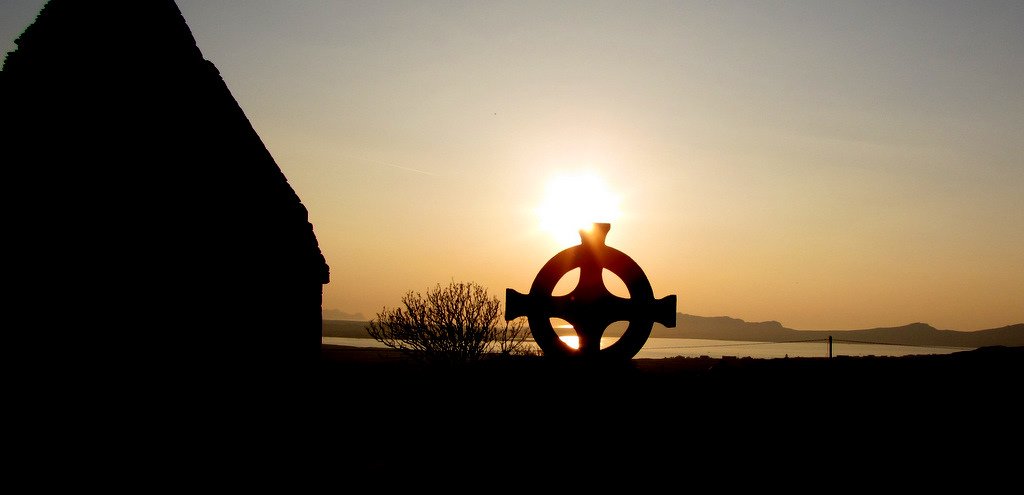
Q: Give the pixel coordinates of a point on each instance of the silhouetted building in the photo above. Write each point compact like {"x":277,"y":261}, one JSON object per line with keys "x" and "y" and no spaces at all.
{"x":149,"y":224}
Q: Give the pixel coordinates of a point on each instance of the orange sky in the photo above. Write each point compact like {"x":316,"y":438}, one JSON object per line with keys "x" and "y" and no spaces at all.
{"x":830,"y":165}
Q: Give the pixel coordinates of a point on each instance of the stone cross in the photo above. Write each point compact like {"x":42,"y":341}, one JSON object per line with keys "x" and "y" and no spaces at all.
{"x":590,"y":307}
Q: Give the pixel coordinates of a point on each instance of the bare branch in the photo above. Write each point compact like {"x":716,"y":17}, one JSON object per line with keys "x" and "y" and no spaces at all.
{"x":457,"y":323}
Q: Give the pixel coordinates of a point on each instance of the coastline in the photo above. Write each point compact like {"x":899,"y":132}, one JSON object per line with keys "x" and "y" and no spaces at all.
{"x":998,"y":362}
{"x":983,"y":376}
{"x":731,"y":329}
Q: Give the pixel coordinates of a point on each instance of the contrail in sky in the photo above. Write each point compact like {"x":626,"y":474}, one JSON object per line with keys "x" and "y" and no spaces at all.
{"x":404,"y":168}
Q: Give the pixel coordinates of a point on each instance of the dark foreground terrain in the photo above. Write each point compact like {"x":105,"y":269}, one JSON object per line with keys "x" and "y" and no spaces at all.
{"x":920,"y":416}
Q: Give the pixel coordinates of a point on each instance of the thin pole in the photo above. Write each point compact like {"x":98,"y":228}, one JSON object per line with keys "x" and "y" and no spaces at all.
{"x":830,"y":347}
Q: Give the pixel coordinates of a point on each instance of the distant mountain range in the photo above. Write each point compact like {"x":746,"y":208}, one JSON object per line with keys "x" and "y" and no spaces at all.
{"x":337,"y":314}
{"x":726,"y":328}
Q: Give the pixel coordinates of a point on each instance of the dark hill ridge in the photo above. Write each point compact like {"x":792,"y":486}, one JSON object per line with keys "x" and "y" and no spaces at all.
{"x":726,"y":328}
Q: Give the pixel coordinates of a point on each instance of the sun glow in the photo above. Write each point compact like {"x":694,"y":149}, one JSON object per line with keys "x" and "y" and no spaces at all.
{"x":575,"y":202}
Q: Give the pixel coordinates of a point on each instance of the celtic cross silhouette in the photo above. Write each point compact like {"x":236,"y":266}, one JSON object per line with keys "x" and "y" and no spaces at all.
{"x":590,"y":307}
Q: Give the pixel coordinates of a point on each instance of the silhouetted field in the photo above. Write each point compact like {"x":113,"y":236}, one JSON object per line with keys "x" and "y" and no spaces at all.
{"x":675,"y":413}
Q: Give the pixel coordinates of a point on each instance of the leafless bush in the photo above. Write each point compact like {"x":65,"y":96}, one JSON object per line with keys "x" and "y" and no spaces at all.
{"x":457,"y":323}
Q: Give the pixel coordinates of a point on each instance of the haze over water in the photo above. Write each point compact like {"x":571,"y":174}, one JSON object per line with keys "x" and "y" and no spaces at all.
{"x":665,"y":348}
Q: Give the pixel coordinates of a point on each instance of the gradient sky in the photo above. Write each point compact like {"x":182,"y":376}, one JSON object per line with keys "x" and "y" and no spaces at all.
{"x":829,"y":165}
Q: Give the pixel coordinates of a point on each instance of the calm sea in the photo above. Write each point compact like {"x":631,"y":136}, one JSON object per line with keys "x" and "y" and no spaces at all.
{"x":662,"y":348}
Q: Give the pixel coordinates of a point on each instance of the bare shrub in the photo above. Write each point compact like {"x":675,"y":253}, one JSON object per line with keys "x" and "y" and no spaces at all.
{"x":457,"y":323}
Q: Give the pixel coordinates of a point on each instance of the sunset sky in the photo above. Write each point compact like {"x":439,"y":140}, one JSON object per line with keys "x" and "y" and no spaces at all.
{"x":829,"y":165}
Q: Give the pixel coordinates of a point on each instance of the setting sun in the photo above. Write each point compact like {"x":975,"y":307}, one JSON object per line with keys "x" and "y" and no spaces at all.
{"x":574,"y":202}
